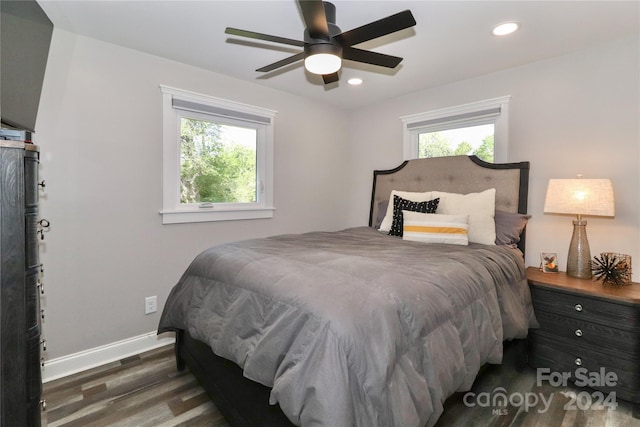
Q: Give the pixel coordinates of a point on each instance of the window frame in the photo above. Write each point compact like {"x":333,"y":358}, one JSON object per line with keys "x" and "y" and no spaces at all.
{"x":495,"y":110}
{"x":227,"y":113}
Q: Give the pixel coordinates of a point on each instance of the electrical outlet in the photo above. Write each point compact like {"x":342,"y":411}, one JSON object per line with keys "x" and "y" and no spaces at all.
{"x":150,"y":305}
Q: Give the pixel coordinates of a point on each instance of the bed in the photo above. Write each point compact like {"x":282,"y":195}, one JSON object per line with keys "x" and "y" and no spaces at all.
{"x":357,"y":327}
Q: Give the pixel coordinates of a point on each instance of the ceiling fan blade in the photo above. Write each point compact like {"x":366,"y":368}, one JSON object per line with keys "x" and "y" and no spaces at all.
{"x":330,"y":78}
{"x":265,"y":37}
{"x":282,"y":63}
{"x":314,"y":18}
{"x":376,"y":29}
{"x":369,"y":57}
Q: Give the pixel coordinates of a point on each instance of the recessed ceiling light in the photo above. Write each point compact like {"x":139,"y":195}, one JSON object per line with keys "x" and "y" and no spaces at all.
{"x":504,"y":29}
{"x":355,"y":81}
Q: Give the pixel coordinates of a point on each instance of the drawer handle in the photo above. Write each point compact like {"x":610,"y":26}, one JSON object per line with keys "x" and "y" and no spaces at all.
{"x":41,"y":286}
{"x":44,"y":345}
{"x":45,"y":226}
{"x":578,"y":332}
{"x":42,"y":183}
{"x":42,"y":314}
{"x":578,"y":307}
{"x":42,"y":362}
{"x":43,"y":404}
{"x":579,"y":361}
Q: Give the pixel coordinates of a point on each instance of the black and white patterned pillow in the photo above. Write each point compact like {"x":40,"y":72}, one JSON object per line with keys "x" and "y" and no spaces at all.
{"x":400,"y":204}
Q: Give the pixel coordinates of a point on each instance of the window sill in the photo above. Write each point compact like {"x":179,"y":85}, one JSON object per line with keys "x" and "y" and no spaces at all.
{"x":181,"y":216}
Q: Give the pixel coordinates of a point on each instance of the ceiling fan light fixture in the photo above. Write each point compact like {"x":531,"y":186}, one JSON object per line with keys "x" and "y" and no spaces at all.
{"x":322,"y":63}
{"x":323,"y":58}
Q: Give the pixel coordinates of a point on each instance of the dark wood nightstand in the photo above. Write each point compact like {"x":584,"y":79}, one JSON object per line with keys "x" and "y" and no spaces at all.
{"x":584,"y":324}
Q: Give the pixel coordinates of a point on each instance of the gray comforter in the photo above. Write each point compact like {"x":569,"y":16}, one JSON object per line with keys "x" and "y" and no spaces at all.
{"x":354,"y":328}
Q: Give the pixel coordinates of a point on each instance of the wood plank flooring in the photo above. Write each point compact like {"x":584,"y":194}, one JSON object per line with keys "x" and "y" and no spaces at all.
{"x":147,"y":391}
{"x":140,"y":391}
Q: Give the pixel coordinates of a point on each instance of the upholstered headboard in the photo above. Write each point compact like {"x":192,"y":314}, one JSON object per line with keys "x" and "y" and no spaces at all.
{"x":455,"y":174}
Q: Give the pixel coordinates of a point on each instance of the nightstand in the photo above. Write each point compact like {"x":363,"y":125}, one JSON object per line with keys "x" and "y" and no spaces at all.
{"x":584,"y":324}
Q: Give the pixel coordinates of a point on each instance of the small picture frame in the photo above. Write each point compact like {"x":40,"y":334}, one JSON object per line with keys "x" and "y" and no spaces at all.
{"x":549,"y":262}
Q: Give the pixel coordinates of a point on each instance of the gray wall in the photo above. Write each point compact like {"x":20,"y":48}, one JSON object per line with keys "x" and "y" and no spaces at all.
{"x":577,"y":113}
{"x":99,"y":128}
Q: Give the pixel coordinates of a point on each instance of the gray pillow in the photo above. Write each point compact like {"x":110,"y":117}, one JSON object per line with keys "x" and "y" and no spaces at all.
{"x":382,"y":211}
{"x":509,"y":227}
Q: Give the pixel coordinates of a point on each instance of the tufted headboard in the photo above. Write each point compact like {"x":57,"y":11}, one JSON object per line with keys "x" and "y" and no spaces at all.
{"x":455,"y":174}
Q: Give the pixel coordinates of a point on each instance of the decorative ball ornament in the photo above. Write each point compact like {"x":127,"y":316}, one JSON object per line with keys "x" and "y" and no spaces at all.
{"x":611,"y":269}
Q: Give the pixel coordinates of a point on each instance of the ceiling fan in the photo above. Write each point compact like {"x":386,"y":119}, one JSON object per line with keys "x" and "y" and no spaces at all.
{"x":325,"y":45}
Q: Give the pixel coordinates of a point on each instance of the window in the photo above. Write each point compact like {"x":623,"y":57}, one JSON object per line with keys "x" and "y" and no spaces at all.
{"x":217,"y":159}
{"x":479,"y":128}
{"x":477,"y":140}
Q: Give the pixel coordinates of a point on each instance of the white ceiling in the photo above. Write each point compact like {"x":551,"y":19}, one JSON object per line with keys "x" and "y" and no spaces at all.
{"x":452,"y":40}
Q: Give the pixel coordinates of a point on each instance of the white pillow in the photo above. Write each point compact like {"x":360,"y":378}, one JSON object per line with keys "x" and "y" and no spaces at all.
{"x":435,"y":228}
{"x":480,"y":207}
{"x":385,"y":225}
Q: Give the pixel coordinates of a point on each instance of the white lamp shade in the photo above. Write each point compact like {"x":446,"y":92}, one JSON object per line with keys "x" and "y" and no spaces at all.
{"x":580,"y":197}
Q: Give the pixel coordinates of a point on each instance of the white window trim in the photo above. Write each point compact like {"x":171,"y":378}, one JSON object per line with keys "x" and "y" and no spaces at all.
{"x":172,"y":212}
{"x":412,"y":129}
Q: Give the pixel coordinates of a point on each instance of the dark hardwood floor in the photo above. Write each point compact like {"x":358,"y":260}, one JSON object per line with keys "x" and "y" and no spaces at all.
{"x":147,"y":391}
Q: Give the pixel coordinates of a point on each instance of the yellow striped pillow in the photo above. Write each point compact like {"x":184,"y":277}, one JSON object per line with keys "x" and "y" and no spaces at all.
{"x":436,"y":228}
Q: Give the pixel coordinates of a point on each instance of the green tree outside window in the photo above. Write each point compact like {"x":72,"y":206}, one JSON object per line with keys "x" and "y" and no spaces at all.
{"x":445,"y":143}
{"x":214,"y":167}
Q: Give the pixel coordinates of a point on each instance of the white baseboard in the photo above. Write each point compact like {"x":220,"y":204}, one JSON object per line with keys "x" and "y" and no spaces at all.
{"x":87,"y":359}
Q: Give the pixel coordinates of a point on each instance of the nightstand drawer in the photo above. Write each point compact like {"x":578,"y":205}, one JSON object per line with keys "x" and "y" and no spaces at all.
{"x":605,"y":312}
{"x":582,"y":332}
{"x":559,"y":356}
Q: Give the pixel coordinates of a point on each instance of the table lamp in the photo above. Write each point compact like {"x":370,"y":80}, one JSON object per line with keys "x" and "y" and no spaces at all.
{"x":580,"y":197}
